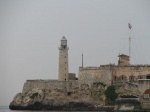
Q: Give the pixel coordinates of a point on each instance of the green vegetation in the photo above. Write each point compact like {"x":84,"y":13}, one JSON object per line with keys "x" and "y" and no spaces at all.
{"x":111,"y":95}
{"x":34,"y":95}
{"x":98,"y":91}
{"x":99,"y":83}
{"x":97,"y":95}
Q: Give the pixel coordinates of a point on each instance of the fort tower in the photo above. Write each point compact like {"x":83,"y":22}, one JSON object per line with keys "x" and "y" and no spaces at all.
{"x":124,"y":60}
{"x":63,"y":60}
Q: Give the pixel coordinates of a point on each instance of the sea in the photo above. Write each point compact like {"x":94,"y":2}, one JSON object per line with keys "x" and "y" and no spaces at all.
{"x":6,"y":109}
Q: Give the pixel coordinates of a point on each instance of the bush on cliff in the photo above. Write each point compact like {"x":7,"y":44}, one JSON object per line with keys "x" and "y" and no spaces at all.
{"x":97,"y":95}
{"x":34,"y":95}
{"x":111,"y":95}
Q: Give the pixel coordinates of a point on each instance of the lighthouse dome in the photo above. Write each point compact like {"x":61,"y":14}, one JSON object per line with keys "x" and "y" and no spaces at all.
{"x":63,"y":38}
{"x":63,"y":41}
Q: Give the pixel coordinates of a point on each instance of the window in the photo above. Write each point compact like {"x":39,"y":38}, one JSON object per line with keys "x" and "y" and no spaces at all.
{"x":131,"y":78}
{"x":115,"y":77}
{"x":148,"y":76}
{"x":68,"y":93}
{"x":140,"y":77}
{"x":122,"y":77}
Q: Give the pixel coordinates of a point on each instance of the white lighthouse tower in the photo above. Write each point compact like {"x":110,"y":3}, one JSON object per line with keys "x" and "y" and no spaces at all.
{"x":63,"y":60}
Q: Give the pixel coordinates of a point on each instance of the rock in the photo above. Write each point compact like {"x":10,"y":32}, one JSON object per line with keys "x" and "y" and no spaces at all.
{"x":57,"y":104}
{"x":29,"y":98}
{"x":38,"y":99}
{"x":42,"y":98}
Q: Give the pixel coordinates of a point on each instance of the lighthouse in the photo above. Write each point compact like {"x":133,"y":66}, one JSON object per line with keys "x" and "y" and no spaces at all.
{"x":63,"y":60}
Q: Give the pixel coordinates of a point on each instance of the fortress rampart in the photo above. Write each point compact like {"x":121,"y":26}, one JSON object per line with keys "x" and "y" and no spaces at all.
{"x":43,"y":84}
{"x":130,"y":73}
{"x":143,"y":84}
{"x":66,"y":86}
{"x":95,"y":74}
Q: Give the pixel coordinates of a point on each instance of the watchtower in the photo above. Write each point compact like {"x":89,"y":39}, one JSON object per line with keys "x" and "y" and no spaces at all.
{"x":63,"y":60}
{"x":123,"y":60}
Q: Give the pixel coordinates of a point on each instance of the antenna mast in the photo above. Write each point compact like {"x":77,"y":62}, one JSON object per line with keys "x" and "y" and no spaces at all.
{"x":129,"y":25}
{"x":82,"y":60}
{"x":129,"y":46}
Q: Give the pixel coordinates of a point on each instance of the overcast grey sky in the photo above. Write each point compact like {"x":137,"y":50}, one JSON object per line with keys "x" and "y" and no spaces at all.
{"x":30,"y":33}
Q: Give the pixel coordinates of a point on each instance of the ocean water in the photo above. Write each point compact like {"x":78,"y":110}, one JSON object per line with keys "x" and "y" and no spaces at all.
{"x":6,"y":109}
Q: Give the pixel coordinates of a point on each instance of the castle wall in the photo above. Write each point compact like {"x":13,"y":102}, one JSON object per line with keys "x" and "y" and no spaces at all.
{"x":95,"y":74}
{"x":138,"y":72}
{"x":143,"y":84}
{"x":109,"y":73}
{"x":66,"y":86}
{"x":43,"y":84}
{"x":72,"y":76}
{"x":131,"y":86}
{"x":145,"y":104}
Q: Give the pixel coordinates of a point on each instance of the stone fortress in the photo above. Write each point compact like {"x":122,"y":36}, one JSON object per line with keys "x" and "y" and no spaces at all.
{"x":87,"y":75}
{"x":124,"y":72}
{"x":90,"y":81}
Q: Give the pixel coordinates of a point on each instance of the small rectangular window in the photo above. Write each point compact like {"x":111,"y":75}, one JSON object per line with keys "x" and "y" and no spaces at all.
{"x":68,"y":93}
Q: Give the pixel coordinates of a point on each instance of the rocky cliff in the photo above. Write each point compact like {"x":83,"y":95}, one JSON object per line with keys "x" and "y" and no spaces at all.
{"x":37,"y":99}
{"x":72,"y":96}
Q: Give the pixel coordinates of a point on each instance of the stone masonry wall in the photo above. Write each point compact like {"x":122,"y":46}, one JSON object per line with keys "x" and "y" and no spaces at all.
{"x":134,"y":70}
{"x":143,"y":84}
{"x":95,"y":74}
{"x":66,"y":86}
{"x":43,"y":84}
{"x":63,"y":64}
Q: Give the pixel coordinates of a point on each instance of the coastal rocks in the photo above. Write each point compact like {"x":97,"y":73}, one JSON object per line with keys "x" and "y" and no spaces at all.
{"x":37,"y":99}
{"x":81,"y":97}
{"x":29,"y":98}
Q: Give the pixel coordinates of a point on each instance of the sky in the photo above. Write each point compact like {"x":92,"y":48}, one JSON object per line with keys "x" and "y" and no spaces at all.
{"x":31,"y":30}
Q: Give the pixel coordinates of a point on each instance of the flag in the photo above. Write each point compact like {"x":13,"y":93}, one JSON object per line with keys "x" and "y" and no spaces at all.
{"x":129,"y":25}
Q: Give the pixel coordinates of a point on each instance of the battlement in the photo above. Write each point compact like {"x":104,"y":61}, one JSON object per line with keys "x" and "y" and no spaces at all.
{"x":43,"y":84}
{"x":108,"y":66}
{"x":51,"y":84}
{"x":89,"y":68}
{"x":138,"y":65}
{"x":102,"y":67}
{"x":41,"y":80}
